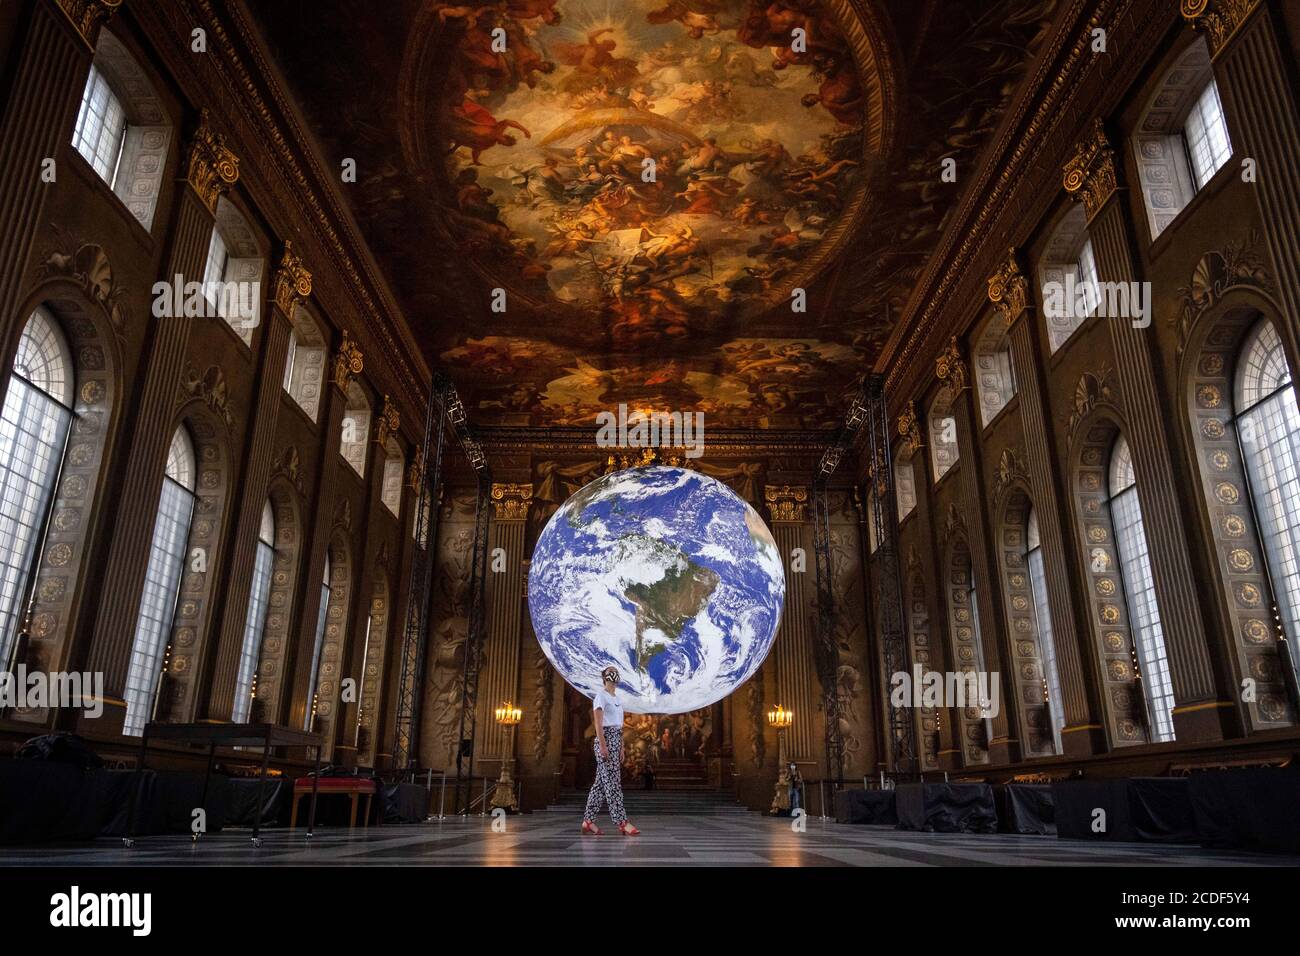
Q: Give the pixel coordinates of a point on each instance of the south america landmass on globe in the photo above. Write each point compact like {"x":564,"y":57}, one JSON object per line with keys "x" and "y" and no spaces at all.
{"x":665,"y":573}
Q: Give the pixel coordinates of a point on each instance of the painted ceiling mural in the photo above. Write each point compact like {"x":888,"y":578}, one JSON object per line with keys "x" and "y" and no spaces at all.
{"x":649,"y":187}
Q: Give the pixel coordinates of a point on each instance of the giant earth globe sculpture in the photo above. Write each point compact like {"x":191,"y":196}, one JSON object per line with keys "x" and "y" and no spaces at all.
{"x":665,"y":573}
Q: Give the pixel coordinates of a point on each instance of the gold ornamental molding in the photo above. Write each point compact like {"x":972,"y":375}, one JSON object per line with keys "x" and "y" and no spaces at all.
{"x":1218,"y":19}
{"x":87,"y":16}
{"x":1090,"y":175}
{"x":950,"y":368}
{"x":348,"y":363}
{"x":390,"y":420}
{"x":787,"y":502}
{"x":211,"y":167}
{"x":909,"y":428}
{"x":1009,"y":289}
{"x":292,"y":281}
{"x":415,"y":470}
{"x":510,"y":502}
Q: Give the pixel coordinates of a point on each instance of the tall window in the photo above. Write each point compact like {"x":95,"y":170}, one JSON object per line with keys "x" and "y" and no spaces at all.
{"x":1206,"y":135}
{"x":289,"y":360}
{"x":1268,"y":422}
{"x":943,"y":439}
{"x":316,"y":647}
{"x":1088,"y":278}
{"x":101,"y":128}
{"x":214,"y":273}
{"x":255,"y":619}
{"x":1140,"y":591}
{"x":162,"y":585}
{"x":1043,"y":621}
{"x":33,"y":435}
{"x":904,"y":486}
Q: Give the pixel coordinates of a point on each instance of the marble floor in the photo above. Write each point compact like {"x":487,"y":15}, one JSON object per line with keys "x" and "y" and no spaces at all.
{"x":552,"y":839}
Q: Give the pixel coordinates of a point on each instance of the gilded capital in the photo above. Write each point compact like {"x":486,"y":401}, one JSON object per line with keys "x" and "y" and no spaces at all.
{"x":88,"y":15}
{"x":787,"y":502}
{"x":415,"y":471}
{"x":1218,"y":19}
{"x":909,"y":427}
{"x":292,"y":281}
{"x":348,"y":363}
{"x":510,"y":502}
{"x":950,"y":368}
{"x":1090,"y":175}
{"x":390,"y":420}
{"x":210,"y":167}
{"x":1009,"y":289}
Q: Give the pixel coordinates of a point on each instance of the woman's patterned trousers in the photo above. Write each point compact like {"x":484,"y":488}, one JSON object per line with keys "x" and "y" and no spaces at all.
{"x":608,"y":785}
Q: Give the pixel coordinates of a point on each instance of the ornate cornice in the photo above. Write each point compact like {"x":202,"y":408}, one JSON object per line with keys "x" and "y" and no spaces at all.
{"x":390,"y":420}
{"x":1217,"y":19}
{"x":87,"y":16}
{"x":787,"y":502}
{"x":211,"y":167}
{"x":292,"y":281}
{"x":1009,"y":289}
{"x":510,"y":502}
{"x":348,"y":363}
{"x":950,"y":367}
{"x":1090,"y":174}
{"x":909,"y":427}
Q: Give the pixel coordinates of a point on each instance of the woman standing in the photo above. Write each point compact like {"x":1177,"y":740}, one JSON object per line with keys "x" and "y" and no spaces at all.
{"x":608,"y":745}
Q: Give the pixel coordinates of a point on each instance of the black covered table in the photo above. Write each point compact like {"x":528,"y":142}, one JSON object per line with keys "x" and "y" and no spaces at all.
{"x":1255,"y":808}
{"x":1151,"y":809}
{"x":946,"y":807}
{"x":267,"y":736}
{"x":1025,"y":808}
{"x":865,"y":806}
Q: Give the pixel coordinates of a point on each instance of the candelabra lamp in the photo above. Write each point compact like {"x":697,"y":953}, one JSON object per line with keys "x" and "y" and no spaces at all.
{"x":781,"y":720}
{"x":508,"y":716}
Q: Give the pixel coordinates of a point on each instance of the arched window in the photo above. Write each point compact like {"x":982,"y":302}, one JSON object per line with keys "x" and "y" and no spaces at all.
{"x":1139,"y":591}
{"x":1182,"y":139}
{"x":1043,"y":621}
{"x":121,"y":129}
{"x":304,"y":369}
{"x":319,"y":642}
{"x":967,"y":648}
{"x":232,"y":274}
{"x":1068,"y":279}
{"x":394,"y":474}
{"x":994,"y":376}
{"x":356,"y":429}
{"x":255,"y":619}
{"x":33,"y":435}
{"x":1268,"y":424}
{"x":943,"y":435}
{"x":153,"y":627}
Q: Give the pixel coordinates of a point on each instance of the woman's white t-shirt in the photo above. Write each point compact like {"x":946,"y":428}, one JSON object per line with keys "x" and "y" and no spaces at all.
{"x":613,"y":710}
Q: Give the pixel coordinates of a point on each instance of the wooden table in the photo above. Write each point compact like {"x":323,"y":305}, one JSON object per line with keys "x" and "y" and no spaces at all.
{"x":267,"y":736}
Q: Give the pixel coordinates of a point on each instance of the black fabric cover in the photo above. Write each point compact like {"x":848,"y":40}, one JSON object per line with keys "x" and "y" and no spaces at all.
{"x":1025,"y":808}
{"x":45,"y":801}
{"x":403,"y":803}
{"x":242,"y":810}
{"x":947,"y":807}
{"x":166,"y":802}
{"x":1252,"y":809}
{"x":1161,"y":809}
{"x":1152,"y":809}
{"x":866,"y":806}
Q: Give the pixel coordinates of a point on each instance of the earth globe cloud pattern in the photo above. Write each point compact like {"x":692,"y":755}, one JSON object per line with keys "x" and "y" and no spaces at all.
{"x":665,"y":573}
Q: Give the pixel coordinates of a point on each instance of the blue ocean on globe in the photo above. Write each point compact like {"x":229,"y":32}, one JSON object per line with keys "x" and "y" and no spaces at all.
{"x":665,"y":573}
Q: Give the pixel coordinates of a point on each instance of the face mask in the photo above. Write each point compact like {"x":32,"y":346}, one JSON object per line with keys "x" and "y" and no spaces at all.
{"x":610,"y":676}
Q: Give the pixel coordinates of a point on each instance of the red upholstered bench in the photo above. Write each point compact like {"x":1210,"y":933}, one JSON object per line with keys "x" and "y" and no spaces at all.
{"x":353,"y":787}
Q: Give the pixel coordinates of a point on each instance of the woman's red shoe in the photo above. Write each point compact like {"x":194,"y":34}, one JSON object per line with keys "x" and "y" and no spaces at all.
{"x":627,"y":829}
{"x":589,"y":827}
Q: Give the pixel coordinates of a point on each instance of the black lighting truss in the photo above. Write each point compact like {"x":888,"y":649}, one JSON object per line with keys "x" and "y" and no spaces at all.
{"x":889,"y":592}
{"x":827,"y":650}
{"x":866,"y":423}
{"x":473,"y":658}
{"x":444,"y":413}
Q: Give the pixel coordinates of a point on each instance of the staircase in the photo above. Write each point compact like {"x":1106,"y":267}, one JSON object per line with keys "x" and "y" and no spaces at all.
{"x":695,"y":803}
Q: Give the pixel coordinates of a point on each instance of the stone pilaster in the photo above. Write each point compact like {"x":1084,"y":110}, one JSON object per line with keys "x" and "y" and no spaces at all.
{"x":1260,"y":104}
{"x":1200,"y":711}
{"x":794,"y":676}
{"x":39,"y":113}
{"x":499,"y":676}
{"x":1009,"y":293}
{"x":210,"y":168}
{"x":952,"y":370}
{"x":291,"y":281}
